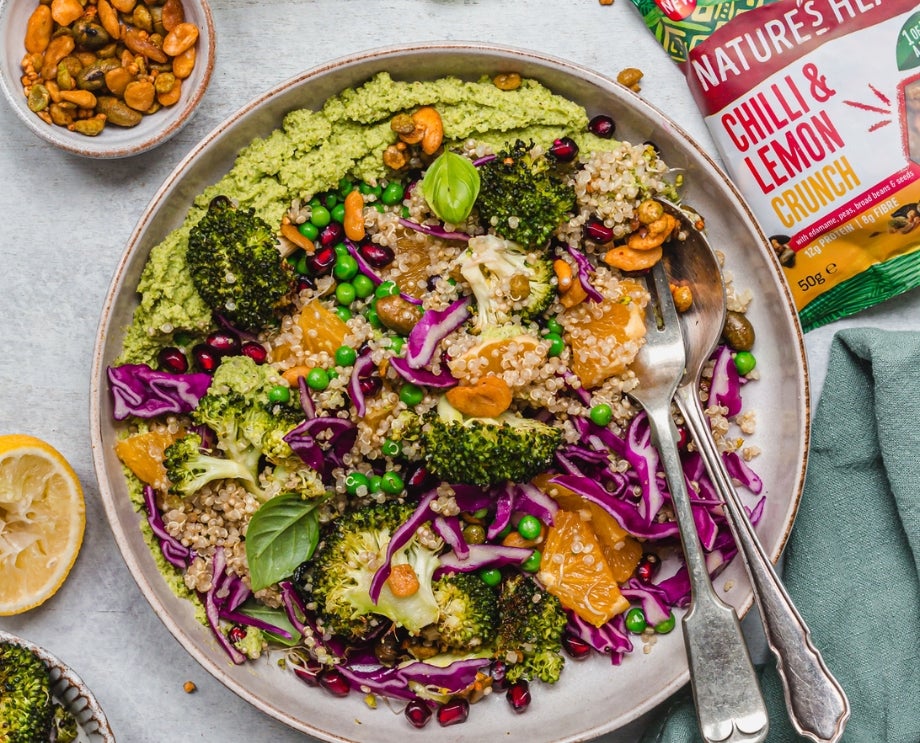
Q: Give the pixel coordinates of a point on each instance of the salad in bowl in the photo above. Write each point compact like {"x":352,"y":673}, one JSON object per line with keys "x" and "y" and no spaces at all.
{"x":372,"y":405}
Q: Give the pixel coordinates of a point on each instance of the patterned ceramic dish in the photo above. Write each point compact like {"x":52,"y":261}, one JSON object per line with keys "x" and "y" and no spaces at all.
{"x":113,"y":141}
{"x":593,"y":697}
{"x":69,"y":689}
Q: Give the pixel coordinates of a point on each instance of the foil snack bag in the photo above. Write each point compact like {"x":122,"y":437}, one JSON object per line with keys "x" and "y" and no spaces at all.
{"x":814,"y":106}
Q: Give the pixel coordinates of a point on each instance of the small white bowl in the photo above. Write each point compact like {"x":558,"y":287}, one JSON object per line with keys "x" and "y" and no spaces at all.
{"x":113,"y":141}
{"x":69,"y":689}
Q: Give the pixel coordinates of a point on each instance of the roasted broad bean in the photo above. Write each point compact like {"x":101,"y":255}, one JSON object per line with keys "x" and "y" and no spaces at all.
{"x":738,"y":331}
{"x":89,"y":63}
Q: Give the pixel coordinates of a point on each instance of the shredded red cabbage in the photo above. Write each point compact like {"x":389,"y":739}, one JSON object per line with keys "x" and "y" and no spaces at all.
{"x":653,"y":599}
{"x":399,"y":539}
{"x":423,"y":377}
{"x":146,"y":393}
{"x":585,"y":269}
{"x":434,"y":231}
{"x":482,"y":556}
{"x":739,"y":470}
{"x":450,"y":530}
{"x":725,"y":388}
{"x":364,"y":367}
{"x":176,"y":553}
{"x":433,"y":327}
{"x":213,"y":604}
{"x":610,"y":638}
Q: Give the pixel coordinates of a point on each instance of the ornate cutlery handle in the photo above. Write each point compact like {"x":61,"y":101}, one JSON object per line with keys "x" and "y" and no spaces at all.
{"x":817,"y":705}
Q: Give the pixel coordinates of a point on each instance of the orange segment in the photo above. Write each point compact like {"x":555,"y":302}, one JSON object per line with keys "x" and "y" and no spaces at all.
{"x":322,"y":328}
{"x":496,"y":356}
{"x":574,"y":569}
{"x":42,"y":519}
{"x":604,"y":335}
{"x":413,"y":262}
{"x":621,"y":550}
{"x":143,"y":455}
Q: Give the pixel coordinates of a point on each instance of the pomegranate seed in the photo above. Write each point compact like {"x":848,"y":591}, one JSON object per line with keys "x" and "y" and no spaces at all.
{"x":171,"y":359}
{"x":310,"y":672}
{"x":254,"y":350}
{"x":518,"y":695}
{"x":206,"y":358}
{"x":598,"y":232}
{"x":564,"y":149}
{"x":648,"y":567}
{"x":331,"y":234}
{"x":224,"y":342}
{"x":334,"y":682}
{"x":417,"y":478}
{"x":303,"y":283}
{"x":379,"y":256}
{"x":683,"y":438}
{"x":418,"y":713}
{"x":453,"y":712}
{"x":236,"y":633}
{"x":602,"y":126}
{"x":497,"y":672}
{"x":575,"y":646}
{"x":321,"y":262}
{"x":370,"y":385}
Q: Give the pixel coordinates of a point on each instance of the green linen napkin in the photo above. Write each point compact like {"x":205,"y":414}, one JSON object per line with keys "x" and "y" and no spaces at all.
{"x":853,"y":556}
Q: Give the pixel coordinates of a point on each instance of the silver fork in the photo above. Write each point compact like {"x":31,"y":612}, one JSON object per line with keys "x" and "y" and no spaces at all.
{"x":729,"y":705}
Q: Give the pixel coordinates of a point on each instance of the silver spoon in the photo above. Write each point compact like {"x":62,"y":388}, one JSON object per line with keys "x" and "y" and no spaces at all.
{"x":817,"y":705}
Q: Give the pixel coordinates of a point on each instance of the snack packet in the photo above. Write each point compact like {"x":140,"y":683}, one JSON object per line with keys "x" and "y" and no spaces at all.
{"x":814,"y":106}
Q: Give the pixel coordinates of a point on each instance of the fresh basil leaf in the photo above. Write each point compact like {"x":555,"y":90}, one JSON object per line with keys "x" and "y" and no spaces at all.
{"x":281,"y":535}
{"x":277,"y":617}
{"x":450,"y":186}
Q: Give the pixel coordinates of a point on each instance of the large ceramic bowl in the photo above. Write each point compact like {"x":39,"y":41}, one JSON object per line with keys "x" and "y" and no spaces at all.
{"x":593,"y":697}
{"x":113,"y":141}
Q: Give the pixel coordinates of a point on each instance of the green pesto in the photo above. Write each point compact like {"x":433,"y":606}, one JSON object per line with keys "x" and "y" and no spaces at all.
{"x":310,"y":153}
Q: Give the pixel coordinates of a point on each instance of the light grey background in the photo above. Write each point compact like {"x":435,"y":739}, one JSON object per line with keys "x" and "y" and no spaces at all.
{"x":64,"y":222}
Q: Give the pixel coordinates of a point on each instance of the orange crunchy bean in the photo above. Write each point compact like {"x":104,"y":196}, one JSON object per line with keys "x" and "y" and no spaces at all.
{"x":38,"y":30}
{"x":403,"y":581}
{"x":488,"y":398}
{"x":353,"y":221}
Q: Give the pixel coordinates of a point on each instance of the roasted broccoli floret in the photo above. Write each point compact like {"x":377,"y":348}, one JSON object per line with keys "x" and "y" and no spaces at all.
{"x":63,"y":726}
{"x":485,"y":451}
{"x":530,"y":630}
{"x":522,"y":196}
{"x":250,"y":431}
{"x":338,"y":576}
{"x":189,"y":468}
{"x":506,"y":280}
{"x":236,"y":266}
{"x":25,"y":696}
{"x":468,"y":607}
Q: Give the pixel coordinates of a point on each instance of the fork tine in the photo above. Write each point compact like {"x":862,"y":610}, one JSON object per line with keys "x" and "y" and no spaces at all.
{"x":669,"y":322}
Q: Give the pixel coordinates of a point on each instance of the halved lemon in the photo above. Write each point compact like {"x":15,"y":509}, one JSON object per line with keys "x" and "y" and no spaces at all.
{"x":42,"y":519}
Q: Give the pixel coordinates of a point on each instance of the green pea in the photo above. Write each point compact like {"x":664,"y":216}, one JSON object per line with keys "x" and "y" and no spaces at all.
{"x":343,"y":313}
{"x":318,"y":379}
{"x":341,"y":249}
{"x":386,"y":289}
{"x":532,"y":563}
{"x":392,"y":483}
{"x":392,"y":194}
{"x":373,"y":318}
{"x":411,"y":394}
{"x":355,"y":482}
{"x":745,"y":362}
{"x":308,"y":230}
{"x":553,"y":326}
{"x":346,"y":184}
{"x":315,"y":202}
{"x":491,"y":576}
{"x":345,"y":356}
{"x":345,"y":293}
{"x":405,"y":214}
{"x":396,"y":344}
{"x":301,"y":265}
{"x":363,"y":285}
{"x":665,"y":626}
{"x":338,"y":212}
{"x":529,"y":527}
{"x":374,"y":483}
{"x":635,"y":621}
{"x":365,"y":188}
{"x":320,"y":216}
{"x":346,"y":268}
{"x":480,"y":513}
{"x":391,"y":448}
{"x":556,"y":344}
{"x":601,"y":414}
{"x":279,"y":394}
{"x":331,"y":200}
